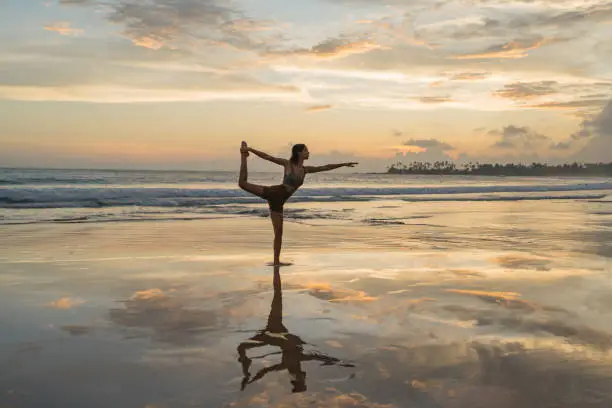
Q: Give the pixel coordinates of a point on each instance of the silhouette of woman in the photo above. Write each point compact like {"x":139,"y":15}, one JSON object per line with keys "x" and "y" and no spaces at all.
{"x":277,"y":195}
{"x":292,"y":351}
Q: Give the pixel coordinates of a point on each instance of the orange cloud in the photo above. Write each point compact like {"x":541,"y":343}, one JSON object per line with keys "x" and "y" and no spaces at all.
{"x":510,"y":50}
{"x":319,"y":108}
{"x":399,"y":33}
{"x":589,"y":103}
{"x":246,"y":25}
{"x":63,"y":28}
{"x":342,"y":50}
{"x":110,"y":94}
{"x":434,"y":99}
{"x":527,"y":90}
{"x":470,"y":76}
{"x":148,"y":42}
{"x":332,"y":48}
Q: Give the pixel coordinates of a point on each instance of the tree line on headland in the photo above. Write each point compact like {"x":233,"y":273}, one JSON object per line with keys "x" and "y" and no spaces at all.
{"x":497,"y":169}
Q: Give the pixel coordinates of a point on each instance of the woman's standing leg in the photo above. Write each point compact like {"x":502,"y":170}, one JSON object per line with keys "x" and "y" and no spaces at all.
{"x":277,"y":223}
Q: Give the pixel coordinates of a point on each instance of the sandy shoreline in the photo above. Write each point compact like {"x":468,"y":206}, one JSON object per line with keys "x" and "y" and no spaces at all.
{"x":430,"y":314}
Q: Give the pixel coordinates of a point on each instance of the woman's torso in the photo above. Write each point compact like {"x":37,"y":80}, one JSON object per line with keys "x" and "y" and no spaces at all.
{"x":293,"y":177}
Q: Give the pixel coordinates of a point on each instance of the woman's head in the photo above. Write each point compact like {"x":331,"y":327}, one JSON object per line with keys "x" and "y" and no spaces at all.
{"x":299,"y":151}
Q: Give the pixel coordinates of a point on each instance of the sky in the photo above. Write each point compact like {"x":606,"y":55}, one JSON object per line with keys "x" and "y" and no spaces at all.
{"x":178,"y":84}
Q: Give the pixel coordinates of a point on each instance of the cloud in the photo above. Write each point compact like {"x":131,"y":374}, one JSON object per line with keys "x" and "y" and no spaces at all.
{"x":396,"y":30}
{"x":565,"y":105}
{"x":571,"y":15}
{"x":75,"y":2}
{"x":470,"y":76}
{"x":511,"y":50}
{"x":527,"y":90}
{"x":561,"y":146}
{"x":518,"y":137}
{"x":186,"y":24}
{"x":161,"y":22}
{"x":332,"y":48}
{"x":500,"y":22}
{"x":429,"y":144}
{"x":107,"y":81}
{"x":180,"y":24}
{"x":319,"y":108}
{"x":434,"y":99}
{"x":598,"y":132}
{"x":63,"y":28}
{"x":602,"y":124}
{"x":109,"y":94}
{"x":248,"y":25}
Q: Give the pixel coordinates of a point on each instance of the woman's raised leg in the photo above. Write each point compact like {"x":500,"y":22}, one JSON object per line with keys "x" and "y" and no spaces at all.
{"x":243,"y":177}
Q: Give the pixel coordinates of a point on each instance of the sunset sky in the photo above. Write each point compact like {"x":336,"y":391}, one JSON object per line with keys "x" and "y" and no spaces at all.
{"x":179,"y":83}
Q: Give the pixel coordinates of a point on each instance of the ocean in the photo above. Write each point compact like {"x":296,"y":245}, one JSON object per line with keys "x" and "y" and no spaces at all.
{"x":48,"y":196}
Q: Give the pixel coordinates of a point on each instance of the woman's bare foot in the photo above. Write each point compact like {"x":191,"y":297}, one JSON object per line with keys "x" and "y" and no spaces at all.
{"x":244,"y":149}
{"x":278,"y":263}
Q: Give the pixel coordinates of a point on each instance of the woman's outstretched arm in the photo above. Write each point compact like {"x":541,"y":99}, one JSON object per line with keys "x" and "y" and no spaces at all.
{"x":267,"y":157}
{"x":327,"y":167}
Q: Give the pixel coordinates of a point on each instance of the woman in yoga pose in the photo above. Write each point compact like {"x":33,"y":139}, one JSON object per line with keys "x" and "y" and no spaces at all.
{"x":277,"y":195}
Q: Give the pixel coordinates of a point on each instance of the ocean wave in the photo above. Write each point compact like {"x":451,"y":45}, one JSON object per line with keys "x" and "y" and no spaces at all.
{"x":175,"y":214}
{"x":55,"y":177}
{"x":65,"y":197}
{"x":506,"y":198}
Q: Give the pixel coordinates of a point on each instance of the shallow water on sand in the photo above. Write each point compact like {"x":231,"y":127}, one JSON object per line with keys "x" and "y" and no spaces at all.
{"x":479,"y":304}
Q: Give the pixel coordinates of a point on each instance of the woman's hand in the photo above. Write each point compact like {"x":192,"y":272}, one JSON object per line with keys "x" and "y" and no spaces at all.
{"x":351,"y":164}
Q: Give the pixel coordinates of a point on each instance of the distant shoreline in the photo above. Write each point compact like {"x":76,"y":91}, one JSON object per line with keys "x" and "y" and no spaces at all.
{"x":485,"y":175}
{"x":503,"y":170}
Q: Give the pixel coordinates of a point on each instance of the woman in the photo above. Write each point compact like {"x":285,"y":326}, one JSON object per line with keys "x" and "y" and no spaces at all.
{"x":294,"y":175}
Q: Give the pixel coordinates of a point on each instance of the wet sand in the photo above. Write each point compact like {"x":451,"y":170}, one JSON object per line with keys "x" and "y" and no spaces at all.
{"x":485,"y":305}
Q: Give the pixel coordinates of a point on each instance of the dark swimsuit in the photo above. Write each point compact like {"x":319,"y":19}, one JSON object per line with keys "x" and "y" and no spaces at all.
{"x":278,"y":195}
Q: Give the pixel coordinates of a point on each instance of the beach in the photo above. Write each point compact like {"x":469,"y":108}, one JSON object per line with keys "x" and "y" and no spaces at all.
{"x":422,"y":292}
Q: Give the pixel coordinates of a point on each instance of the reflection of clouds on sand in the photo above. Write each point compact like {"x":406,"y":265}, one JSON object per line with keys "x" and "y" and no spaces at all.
{"x":65,"y":303}
{"x":170,"y":318}
{"x":523,"y":262}
{"x":76,"y":330}
{"x":331,"y":398}
{"x":324,"y":291}
{"x":456,"y":375}
{"x":471,"y":371}
{"x":380,"y":269}
{"x":518,"y":317}
{"x":505,"y":299}
{"x":460,"y":317}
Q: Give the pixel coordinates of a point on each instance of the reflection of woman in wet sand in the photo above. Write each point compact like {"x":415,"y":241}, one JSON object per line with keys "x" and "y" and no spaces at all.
{"x":276,"y":334}
{"x":294,"y":175}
